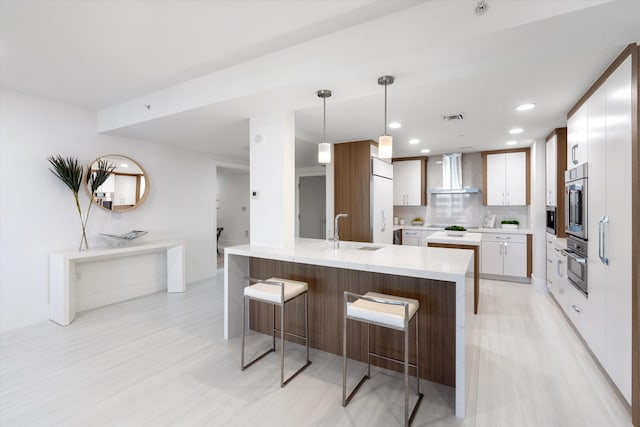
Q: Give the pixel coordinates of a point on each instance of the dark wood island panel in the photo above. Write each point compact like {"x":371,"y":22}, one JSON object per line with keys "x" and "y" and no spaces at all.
{"x":437,"y":314}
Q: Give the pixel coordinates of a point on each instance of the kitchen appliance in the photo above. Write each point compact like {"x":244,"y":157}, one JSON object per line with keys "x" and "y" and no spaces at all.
{"x":381,"y":201}
{"x":575,"y":201}
{"x":552,"y":218}
{"x":452,"y":176}
{"x":577,"y":264}
{"x":397,"y":236}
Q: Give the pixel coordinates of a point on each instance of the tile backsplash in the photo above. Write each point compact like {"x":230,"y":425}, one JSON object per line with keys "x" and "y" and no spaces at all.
{"x":462,"y":209}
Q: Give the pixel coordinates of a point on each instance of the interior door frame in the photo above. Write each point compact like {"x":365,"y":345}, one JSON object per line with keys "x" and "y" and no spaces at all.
{"x":298,"y":176}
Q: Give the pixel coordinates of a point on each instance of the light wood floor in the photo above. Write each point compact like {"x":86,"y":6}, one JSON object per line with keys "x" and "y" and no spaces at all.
{"x":161,"y":360}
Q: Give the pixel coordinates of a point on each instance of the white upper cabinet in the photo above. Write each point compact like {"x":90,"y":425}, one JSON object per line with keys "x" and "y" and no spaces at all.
{"x":551,"y":160}
{"x":577,"y":137}
{"x":506,"y":177}
{"x":407,"y":182}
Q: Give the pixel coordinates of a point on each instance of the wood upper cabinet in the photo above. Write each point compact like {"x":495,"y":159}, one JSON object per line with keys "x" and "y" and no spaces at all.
{"x":409,"y":182}
{"x":506,"y":177}
{"x":352,"y":189}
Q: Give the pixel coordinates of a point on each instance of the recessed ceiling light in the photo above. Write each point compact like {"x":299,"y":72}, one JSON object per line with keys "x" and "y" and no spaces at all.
{"x":525,"y":107}
{"x":414,"y":141}
{"x":425,"y":150}
{"x":395,"y":125}
{"x":515,"y":131}
{"x":512,"y":142}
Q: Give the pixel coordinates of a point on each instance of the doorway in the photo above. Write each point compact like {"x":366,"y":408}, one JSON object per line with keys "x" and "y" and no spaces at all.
{"x":312,"y":207}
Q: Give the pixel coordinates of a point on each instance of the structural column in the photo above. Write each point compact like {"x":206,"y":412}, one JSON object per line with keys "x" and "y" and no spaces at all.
{"x":272,"y":179}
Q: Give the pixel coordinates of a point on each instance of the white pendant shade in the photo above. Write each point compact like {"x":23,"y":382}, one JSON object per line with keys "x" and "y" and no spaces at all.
{"x":324,"y":152}
{"x":385,"y":143}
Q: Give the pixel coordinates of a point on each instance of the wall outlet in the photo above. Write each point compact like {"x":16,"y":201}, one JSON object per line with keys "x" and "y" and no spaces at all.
{"x":255,"y":194}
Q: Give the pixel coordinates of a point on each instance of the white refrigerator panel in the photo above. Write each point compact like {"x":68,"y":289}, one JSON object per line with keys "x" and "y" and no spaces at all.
{"x":382,"y":210}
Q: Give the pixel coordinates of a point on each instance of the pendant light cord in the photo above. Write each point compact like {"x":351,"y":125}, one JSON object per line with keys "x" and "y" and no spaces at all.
{"x":385,"y":110}
{"x":324,"y":120}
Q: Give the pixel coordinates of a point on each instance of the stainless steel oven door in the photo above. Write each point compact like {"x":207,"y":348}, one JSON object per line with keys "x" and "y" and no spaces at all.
{"x":576,"y":208}
{"x":577,"y":271}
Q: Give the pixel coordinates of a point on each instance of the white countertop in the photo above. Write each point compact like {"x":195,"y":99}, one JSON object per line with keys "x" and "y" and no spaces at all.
{"x":412,"y":261}
{"x":471,"y":239}
{"x":471,"y":230}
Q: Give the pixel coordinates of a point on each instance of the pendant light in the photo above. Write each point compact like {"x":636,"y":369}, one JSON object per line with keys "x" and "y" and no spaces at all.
{"x":324,"y":148}
{"x":385,"y":142}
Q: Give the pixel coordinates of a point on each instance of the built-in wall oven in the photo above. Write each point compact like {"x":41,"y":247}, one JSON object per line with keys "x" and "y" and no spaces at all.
{"x":575,"y":201}
{"x":577,"y":264}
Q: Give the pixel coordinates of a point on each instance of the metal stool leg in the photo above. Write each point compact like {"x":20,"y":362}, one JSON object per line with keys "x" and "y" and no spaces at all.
{"x":346,"y":399}
{"x":420,"y":395}
{"x":244,"y":326}
{"x":282,"y":345}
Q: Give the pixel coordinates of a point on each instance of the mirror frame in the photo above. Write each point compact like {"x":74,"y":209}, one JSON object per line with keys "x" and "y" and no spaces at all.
{"x":146,"y":185}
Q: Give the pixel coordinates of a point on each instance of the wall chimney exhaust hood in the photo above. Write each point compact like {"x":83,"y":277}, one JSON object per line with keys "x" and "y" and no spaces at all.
{"x":452,"y":176}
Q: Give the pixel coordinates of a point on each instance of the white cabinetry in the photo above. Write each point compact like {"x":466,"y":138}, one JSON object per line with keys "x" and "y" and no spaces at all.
{"x":415,"y":237}
{"x":506,"y":178}
{"x":577,"y":137}
{"x":504,"y":254}
{"x":407,"y":182}
{"x":600,"y":131}
{"x":610,"y":261}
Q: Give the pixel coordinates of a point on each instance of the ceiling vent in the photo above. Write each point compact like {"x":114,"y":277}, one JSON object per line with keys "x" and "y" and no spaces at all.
{"x":453,"y":117}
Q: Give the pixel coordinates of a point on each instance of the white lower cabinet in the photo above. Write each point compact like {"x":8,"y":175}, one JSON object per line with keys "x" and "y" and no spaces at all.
{"x":415,"y":237}
{"x":411,"y":237}
{"x":504,"y":254}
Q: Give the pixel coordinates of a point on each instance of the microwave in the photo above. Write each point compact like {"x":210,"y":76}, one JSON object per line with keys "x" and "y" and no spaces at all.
{"x":552,"y":220}
{"x":575,"y":201}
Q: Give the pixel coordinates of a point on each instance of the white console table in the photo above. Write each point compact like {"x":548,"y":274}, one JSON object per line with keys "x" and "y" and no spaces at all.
{"x":62,"y":307}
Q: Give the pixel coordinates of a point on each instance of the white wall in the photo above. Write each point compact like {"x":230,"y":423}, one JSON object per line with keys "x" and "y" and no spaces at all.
{"x":38,"y":214}
{"x":233,"y":207}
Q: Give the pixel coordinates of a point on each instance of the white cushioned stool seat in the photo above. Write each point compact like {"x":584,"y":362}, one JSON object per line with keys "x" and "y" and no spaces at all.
{"x":382,"y":314}
{"x":272,"y":293}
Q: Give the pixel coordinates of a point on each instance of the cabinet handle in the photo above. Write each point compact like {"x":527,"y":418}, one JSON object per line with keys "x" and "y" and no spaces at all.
{"x":574,"y":158}
{"x":559,"y":264}
{"x":503,"y":199}
{"x":602,"y":241}
{"x":549,"y":261}
{"x":503,"y":238}
{"x":576,"y":308}
{"x":500,"y":248}
{"x":384,"y":221}
{"x":508,"y":194}
{"x":505,"y":248}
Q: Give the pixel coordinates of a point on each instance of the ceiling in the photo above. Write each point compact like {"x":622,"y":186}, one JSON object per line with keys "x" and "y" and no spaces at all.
{"x":256,"y":57}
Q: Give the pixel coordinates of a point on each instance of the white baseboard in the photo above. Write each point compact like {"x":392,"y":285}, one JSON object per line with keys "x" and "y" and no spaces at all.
{"x":540,"y":285}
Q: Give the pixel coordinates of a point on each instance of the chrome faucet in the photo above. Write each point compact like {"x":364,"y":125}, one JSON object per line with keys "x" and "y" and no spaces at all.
{"x":336,"y":237}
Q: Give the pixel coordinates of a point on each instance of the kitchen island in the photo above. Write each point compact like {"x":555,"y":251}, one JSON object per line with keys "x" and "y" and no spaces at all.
{"x":434,"y":276}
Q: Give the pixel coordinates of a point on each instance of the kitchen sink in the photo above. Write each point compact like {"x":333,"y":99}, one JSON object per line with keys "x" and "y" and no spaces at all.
{"x":370,"y":248}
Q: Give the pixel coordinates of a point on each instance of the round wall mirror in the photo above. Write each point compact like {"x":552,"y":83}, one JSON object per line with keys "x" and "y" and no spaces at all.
{"x":125,"y":188}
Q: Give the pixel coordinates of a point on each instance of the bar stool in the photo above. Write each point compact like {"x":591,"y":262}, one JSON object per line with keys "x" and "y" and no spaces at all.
{"x":390,"y":312}
{"x":277,"y":292}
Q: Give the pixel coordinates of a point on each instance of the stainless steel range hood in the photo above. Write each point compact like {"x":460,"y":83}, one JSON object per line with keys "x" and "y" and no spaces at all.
{"x":452,"y":176}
